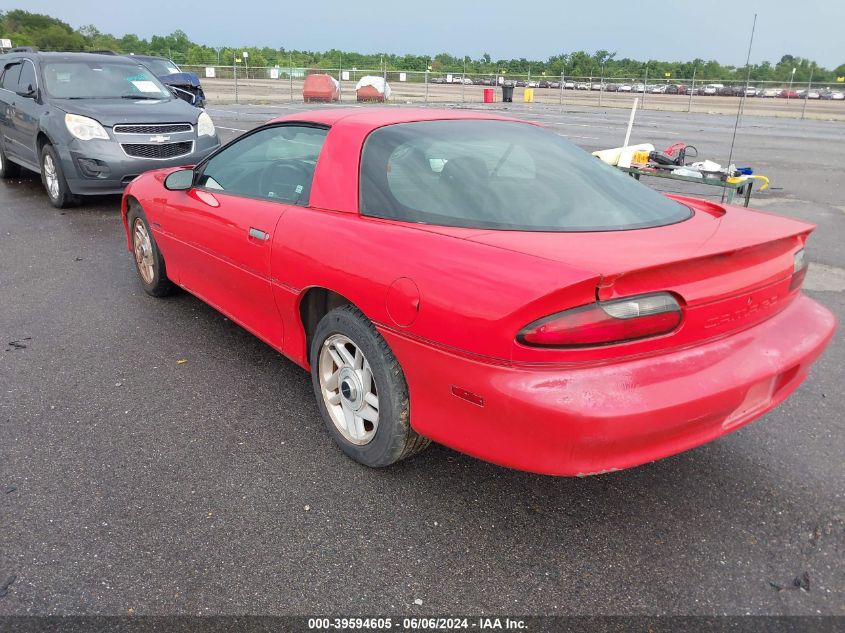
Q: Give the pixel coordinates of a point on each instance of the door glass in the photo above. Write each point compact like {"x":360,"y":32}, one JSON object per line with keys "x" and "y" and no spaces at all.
{"x":276,"y":163}
{"x":10,"y":77}
{"x":27,"y":80}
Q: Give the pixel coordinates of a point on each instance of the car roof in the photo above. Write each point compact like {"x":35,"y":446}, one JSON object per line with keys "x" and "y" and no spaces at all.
{"x":66,"y":56}
{"x":164,"y":59}
{"x":375,"y":117}
{"x":350,"y":127}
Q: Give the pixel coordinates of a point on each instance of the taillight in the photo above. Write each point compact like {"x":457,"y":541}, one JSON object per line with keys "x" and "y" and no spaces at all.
{"x":799,"y":269}
{"x":606,"y":323}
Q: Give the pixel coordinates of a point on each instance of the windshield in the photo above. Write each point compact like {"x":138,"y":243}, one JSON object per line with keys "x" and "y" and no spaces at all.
{"x":501,"y":175}
{"x":161,"y":67}
{"x":101,"y":80}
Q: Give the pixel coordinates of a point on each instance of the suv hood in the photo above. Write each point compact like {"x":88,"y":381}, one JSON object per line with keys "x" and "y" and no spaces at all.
{"x":110,"y":112}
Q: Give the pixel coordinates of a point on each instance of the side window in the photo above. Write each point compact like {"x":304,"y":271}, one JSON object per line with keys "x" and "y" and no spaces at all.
{"x":276,"y":163}
{"x":10,"y":77}
{"x":27,"y":79}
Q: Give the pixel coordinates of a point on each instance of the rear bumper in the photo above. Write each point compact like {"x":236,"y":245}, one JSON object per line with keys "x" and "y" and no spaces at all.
{"x":582,"y":420}
{"x":119,"y":169}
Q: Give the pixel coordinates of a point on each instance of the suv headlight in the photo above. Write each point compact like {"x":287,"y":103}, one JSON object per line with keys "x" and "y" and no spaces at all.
{"x":84,"y":128}
{"x":205,"y":126}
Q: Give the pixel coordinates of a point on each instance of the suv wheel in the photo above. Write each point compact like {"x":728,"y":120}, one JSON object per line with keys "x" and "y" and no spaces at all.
{"x":54,"y":179}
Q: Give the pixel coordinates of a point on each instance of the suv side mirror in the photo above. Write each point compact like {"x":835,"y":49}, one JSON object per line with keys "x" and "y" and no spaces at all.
{"x":180,"y":180}
{"x":29,"y":93}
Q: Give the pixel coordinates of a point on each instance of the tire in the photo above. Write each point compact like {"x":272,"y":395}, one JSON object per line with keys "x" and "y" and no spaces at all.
{"x":149,"y":264}
{"x":53,"y":179}
{"x":8,"y":169}
{"x":390,"y":438}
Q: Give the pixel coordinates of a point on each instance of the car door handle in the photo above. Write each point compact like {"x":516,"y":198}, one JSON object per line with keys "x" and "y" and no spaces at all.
{"x":258,"y":234}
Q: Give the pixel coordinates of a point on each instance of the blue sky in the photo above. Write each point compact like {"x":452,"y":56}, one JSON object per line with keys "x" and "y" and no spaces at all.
{"x":683,"y":29}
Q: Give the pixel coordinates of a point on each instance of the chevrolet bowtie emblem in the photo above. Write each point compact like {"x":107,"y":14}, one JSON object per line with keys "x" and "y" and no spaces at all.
{"x":158,"y":138}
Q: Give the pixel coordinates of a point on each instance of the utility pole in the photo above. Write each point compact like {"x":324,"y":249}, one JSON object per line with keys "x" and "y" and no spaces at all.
{"x":464,"y":79}
{"x":807,"y":94}
{"x":791,"y":77}
{"x":601,"y":83}
{"x":692,"y":89}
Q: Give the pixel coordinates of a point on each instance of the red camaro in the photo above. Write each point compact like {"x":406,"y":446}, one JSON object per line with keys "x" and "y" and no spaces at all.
{"x":481,"y":282}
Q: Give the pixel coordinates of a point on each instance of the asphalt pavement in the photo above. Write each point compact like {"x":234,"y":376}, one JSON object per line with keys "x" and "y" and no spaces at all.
{"x":155,"y":458}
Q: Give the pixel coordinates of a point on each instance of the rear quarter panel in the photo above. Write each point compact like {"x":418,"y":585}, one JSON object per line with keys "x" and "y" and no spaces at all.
{"x":473,"y":298}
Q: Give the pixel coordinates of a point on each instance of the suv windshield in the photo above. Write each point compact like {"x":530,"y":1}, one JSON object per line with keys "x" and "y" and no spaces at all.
{"x":101,"y":80}
{"x":161,"y":67}
{"x":501,"y":175}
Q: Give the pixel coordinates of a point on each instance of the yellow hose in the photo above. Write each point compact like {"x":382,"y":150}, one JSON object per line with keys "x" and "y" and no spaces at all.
{"x":764,"y":179}
{"x":739,"y":179}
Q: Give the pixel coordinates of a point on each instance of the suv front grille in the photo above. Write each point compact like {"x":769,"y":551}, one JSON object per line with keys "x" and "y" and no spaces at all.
{"x":153,"y":128}
{"x":158,"y":150}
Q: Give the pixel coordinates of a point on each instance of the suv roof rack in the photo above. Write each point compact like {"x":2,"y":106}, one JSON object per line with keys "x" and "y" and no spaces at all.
{"x":103,"y":52}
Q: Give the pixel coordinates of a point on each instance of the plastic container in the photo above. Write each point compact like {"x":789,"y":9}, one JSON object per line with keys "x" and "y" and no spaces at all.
{"x":528,"y":95}
{"x":488,"y":95}
{"x":507,"y":93}
{"x":640,"y":157}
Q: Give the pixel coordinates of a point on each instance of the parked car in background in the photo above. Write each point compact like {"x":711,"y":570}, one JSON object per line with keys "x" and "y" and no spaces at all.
{"x":771,"y":92}
{"x":788,"y":94}
{"x":186,"y":85}
{"x":583,"y":86}
{"x":751,"y":91}
{"x":638,"y":88}
{"x":712,"y":89}
{"x":569,"y":85}
{"x":555,"y":85}
{"x":611,"y":87}
{"x":625,"y":88}
{"x":625,"y":326}
{"x":837,"y":95}
{"x":90,"y":124}
{"x":814,"y":94}
{"x":676,"y":89}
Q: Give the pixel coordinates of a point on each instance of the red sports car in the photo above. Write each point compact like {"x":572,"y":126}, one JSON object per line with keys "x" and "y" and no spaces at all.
{"x":480,"y":282}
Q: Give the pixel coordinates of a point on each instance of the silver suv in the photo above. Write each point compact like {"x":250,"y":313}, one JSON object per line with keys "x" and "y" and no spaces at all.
{"x":90,"y":124}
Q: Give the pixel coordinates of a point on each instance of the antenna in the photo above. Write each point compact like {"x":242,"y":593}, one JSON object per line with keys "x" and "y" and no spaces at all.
{"x":743,"y":98}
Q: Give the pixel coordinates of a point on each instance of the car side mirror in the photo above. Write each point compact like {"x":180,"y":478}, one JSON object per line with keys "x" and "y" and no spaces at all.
{"x":29,"y":93}
{"x":180,"y":180}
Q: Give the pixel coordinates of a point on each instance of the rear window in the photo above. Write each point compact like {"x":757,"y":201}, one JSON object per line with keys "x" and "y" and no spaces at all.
{"x":501,"y":175}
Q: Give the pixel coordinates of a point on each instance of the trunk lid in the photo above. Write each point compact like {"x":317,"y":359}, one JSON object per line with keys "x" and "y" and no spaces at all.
{"x":729,"y":266}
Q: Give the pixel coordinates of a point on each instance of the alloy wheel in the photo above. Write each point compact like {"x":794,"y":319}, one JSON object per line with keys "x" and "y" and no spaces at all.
{"x":349,"y":389}
{"x":51,"y":177}
{"x":143,"y":249}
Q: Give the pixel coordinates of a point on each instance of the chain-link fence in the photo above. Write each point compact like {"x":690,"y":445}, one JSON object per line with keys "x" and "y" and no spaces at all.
{"x":276,"y":84}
